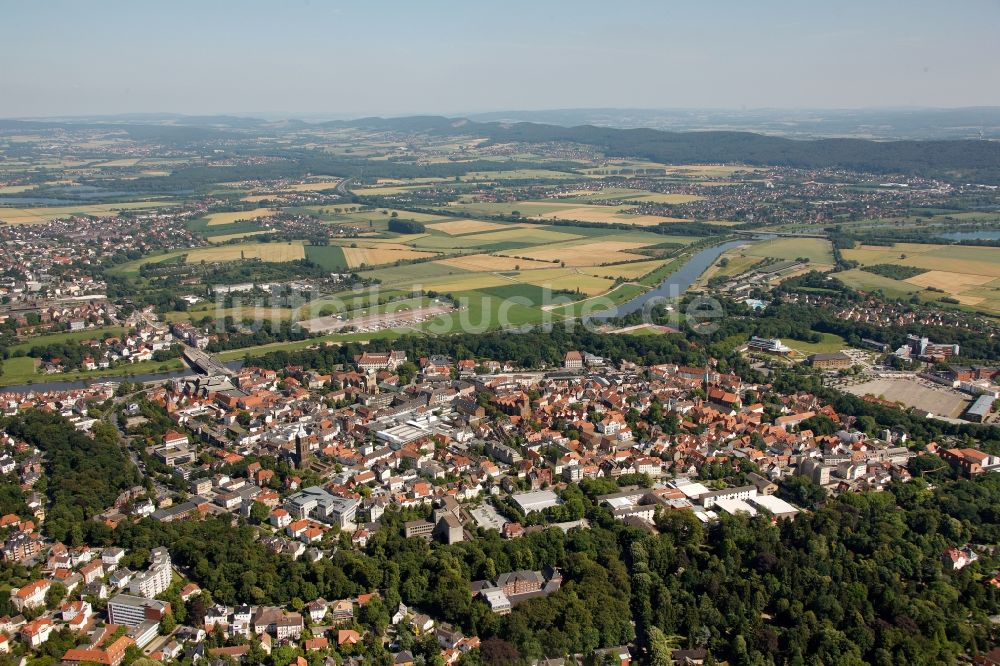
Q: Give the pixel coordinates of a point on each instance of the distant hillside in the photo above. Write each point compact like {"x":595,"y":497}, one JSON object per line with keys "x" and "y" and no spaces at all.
{"x":965,"y":160}
{"x":918,"y":124}
{"x":955,"y":160}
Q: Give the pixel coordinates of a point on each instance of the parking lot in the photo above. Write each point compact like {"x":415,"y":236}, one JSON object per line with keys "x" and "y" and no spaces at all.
{"x":488,"y":518}
{"x":913,"y":392}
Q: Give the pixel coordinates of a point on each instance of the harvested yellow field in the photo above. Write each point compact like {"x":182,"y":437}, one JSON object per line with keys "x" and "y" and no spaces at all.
{"x":482,"y":263}
{"x":466,"y":282}
{"x":951,"y":282}
{"x":566,"y":278}
{"x":879,"y":254}
{"x":314,"y":187}
{"x":630,"y":271}
{"x":388,"y":191}
{"x":377,"y":256}
{"x":218,"y":219}
{"x":585,"y":254}
{"x":16,"y":189}
{"x":607,"y":214}
{"x":459,"y":227}
{"x":523,"y":234}
{"x":49,"y":213}
{"x":955,"y":265}
{"x":228,"y":237}
{"x":958,"y":259}
{"x":276,"y":252}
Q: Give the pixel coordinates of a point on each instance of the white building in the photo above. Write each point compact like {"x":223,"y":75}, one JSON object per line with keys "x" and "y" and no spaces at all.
{"x":156,"y":579}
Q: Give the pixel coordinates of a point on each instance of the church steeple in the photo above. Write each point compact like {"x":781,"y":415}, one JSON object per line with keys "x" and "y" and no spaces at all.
{"x":302,"y":453}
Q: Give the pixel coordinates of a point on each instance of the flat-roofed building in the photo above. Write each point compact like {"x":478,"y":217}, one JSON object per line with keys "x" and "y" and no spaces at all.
{"x":132,"y":611}
{"x":777,"y":506}
{"x":535,"y":501}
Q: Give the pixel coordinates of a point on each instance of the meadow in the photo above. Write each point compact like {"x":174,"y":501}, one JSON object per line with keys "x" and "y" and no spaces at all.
{"x":816,"y":250}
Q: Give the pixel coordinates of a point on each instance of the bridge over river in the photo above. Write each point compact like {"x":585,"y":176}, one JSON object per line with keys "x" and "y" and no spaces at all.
{"x":205,"y":363}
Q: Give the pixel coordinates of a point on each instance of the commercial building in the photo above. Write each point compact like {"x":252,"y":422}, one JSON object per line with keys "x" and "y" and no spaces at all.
{"x":830,"y":360}
{"x":979,"y":410}
{"x":768,"y":345}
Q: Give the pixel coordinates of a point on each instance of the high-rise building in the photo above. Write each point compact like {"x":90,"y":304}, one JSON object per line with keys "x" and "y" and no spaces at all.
{"x":156,"y":579}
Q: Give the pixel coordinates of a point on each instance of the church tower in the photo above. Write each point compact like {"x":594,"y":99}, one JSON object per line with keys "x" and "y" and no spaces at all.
{"x":302,"y":453}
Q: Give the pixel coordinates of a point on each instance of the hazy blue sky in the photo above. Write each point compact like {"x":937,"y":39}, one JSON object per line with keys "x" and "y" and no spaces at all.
{"x":391,"y":58}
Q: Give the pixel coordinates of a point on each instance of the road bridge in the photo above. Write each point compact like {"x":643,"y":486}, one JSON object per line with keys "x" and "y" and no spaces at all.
{"x":205,"y":363}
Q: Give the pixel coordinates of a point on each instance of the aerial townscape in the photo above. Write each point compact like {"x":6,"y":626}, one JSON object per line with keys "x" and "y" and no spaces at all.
{"x":591,"y":383}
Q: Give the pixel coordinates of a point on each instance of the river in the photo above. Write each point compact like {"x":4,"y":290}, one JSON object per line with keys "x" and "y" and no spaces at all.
{"x":676,"y":283}
{"x":982,"y":234}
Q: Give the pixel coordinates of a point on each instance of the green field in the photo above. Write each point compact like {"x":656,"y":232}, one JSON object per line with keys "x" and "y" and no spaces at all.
{"x":618,"y":295}
{"x":865,"y":281}
{"x":829,"y":343}
{"x":21,"y":371}
{"x":816,"y":250}
{"x":67,"y":336}
{"x":330,"y":257}
{"x":18,"y":369}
